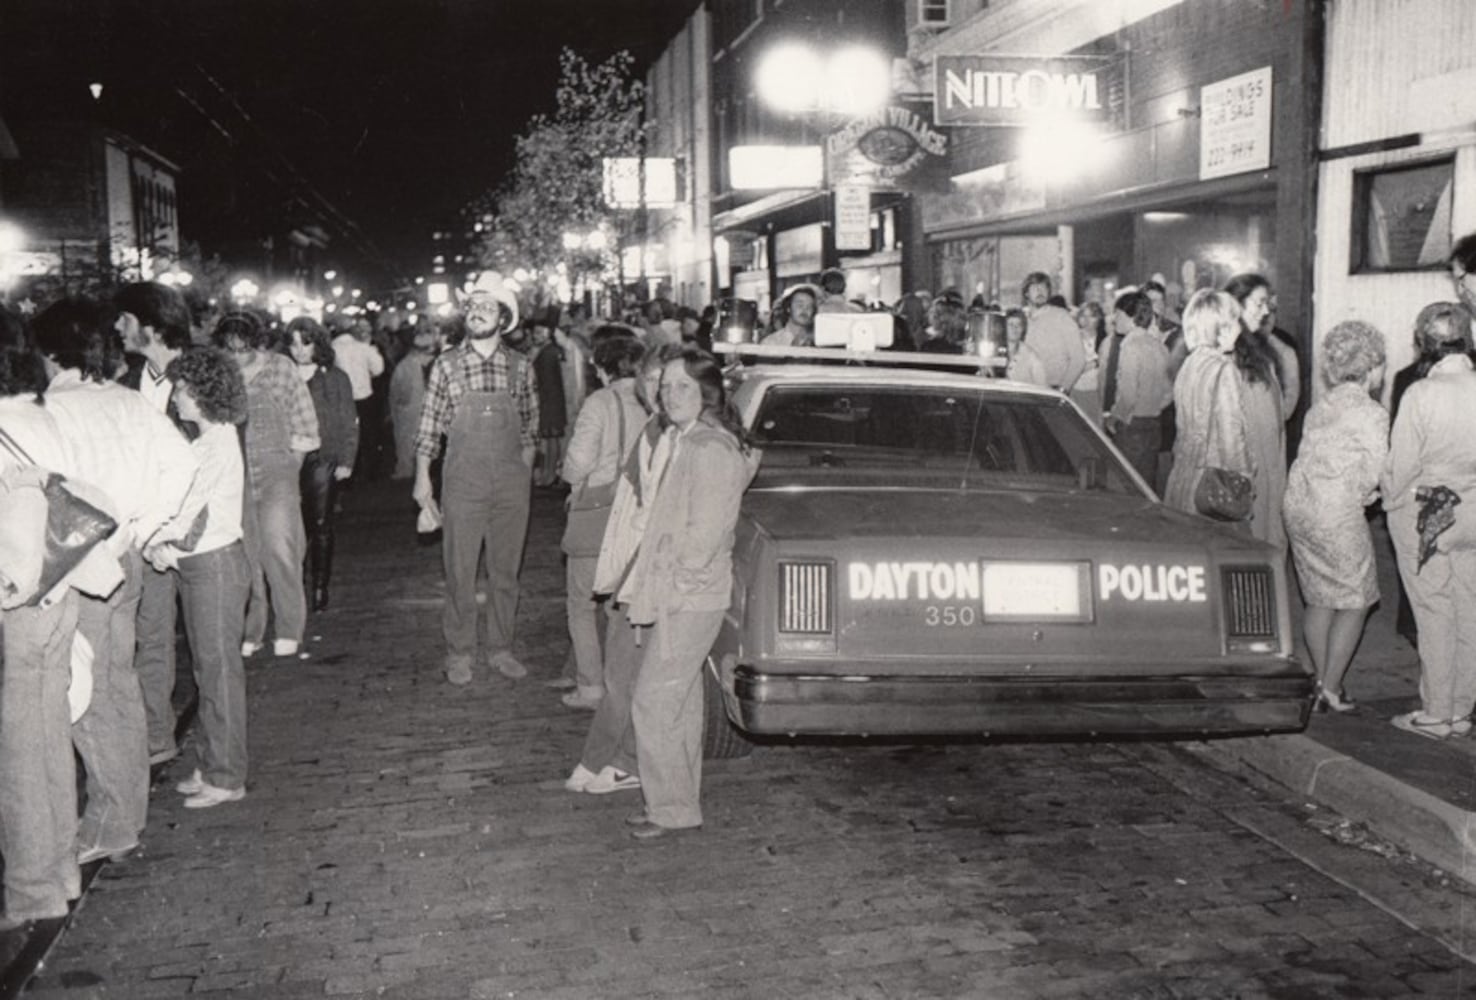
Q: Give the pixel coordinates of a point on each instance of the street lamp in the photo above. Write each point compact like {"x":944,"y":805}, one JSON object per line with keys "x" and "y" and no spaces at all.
{"x":795,"y":78}
{"x":245,"y":290}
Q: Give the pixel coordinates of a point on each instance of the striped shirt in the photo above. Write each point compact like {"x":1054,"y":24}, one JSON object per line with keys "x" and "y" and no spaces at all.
{"x":461,"y":370}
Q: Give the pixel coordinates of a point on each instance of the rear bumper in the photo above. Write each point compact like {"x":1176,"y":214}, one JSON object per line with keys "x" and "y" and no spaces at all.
{"x":1276,"y":701}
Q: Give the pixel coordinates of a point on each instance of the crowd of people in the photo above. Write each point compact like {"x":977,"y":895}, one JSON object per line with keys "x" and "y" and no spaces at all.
{"x":220,"y":455}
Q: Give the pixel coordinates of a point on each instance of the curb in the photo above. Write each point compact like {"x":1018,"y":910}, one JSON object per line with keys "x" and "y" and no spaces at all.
{"x":1434,"y":830}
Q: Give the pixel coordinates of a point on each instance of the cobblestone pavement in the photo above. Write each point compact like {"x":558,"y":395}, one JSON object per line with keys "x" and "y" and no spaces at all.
{"x":406,"y":839}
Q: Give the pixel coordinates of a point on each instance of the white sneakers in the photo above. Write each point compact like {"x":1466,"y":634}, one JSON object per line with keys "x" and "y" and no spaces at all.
{"x":579,"y":779}
{"x":202,"y":794}
{"x":280,"y":647}
{"x":582,"y":779}
{"x":610,"y":780}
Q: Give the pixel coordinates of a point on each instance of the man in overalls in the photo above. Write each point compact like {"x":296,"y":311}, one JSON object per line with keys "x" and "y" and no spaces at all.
{"x":481,"y":396}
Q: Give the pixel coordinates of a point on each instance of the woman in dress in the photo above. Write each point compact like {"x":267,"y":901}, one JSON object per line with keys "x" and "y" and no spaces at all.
{"x":1429,"y":486}
{"x":1263,"y":406}
{"x":1211,"y":426}
{"x":1336,"y":475}
{"x":680,"y":584}
{"x":308,"y":346}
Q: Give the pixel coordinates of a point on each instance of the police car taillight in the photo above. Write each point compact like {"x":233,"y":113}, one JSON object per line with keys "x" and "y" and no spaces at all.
{"x":806,"y":600}
{"x":1249,"y":596}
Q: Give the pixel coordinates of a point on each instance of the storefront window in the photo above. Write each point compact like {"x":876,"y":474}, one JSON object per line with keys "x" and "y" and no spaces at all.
{"x":1401,"y":217}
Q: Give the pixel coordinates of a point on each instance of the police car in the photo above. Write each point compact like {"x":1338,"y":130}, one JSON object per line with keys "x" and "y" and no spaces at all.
{"x":935,"y":553}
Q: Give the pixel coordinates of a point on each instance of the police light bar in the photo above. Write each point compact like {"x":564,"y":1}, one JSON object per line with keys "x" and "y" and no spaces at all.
{"x":853,"y":331}
{"x":964,"y":362}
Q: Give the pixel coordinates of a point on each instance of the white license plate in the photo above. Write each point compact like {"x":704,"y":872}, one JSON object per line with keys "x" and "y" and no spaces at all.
{"x":1035,"y":591}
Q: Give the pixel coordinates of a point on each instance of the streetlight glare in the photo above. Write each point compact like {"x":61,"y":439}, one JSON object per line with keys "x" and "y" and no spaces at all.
{"x":789,"y":77}
{"x":12,"y":237}
{"x":1060,"y":150}
{"x":858,"y":80}
{"x":852,"y":80}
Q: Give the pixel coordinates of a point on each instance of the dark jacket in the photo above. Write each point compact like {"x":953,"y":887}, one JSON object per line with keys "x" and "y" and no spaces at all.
{"x":338,"y":421}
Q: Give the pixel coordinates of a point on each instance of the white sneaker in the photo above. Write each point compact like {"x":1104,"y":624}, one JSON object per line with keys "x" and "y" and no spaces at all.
{"x":248,"y":649}
{"x":284,"y":647}
{"x":192,"y":785}
{"x":209,"y":795}
{"x":610,"y":780}
{"x":579,"y":779}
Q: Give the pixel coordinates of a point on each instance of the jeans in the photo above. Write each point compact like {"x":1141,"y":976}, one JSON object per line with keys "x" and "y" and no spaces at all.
{"x":38,"y":777}
{"x":583,"y":614}
{"x":273,"y":536}
{"x":611,"y":738}
{"x":668,"y":716}
{"x":154,"y":660}
{"x":112,"y":735}
{"x":215,"y":586}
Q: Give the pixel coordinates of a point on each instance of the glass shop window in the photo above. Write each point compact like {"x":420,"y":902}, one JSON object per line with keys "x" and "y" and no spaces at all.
{"x":1401,"y":217}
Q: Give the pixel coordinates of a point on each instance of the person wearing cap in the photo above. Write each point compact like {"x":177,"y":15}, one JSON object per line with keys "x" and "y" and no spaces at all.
{"x":481,"y":396}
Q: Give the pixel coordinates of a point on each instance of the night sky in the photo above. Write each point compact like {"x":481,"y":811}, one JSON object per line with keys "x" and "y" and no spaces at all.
{"x":397,"y":111}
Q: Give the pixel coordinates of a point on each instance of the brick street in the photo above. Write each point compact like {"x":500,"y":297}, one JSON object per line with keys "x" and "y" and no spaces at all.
{"x":403,"y":838}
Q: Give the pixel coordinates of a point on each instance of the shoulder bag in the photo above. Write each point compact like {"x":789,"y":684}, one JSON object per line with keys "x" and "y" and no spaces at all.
{"x":589,"y":507}
{"x":1220,"y":493}
{"x":73,"y":526}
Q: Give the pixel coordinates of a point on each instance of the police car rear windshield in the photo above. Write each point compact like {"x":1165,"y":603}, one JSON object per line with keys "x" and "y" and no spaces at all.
{"x":911,"y":436}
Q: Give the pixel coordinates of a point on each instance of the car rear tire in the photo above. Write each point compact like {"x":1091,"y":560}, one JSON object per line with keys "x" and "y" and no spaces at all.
{"x":721,"y":740}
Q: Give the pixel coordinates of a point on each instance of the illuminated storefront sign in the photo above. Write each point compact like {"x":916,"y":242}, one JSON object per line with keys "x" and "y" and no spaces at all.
{"x":622,"y":182}
{"x":773,"y":167}
{"x":1020,"y":90}
{"x":881,"y":148}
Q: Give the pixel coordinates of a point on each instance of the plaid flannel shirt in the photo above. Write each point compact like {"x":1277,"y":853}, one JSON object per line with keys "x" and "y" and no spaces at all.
{"x":461,"y":370}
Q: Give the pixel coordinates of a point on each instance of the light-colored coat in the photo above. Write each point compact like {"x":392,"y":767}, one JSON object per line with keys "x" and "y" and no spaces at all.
{"x":684,"y":561}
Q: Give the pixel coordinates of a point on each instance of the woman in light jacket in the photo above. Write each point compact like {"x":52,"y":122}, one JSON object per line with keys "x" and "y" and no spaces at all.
{"x":604,"y":432}
{"x":608,"y":761}
{"x":1432,"y":457}
{"x":1210,"y":427}
{"x":680,"y":585}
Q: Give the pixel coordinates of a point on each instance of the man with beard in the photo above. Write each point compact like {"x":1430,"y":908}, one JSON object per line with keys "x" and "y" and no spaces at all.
{"x":481,"y":396}
{"x":154,"y":322}
{"x":799,"y":304}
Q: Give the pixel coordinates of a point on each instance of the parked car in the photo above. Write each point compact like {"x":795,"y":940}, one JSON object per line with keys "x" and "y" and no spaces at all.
{"x":925,"y":553}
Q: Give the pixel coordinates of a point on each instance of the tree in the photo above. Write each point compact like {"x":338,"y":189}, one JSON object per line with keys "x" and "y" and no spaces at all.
{"x":556,"y":186}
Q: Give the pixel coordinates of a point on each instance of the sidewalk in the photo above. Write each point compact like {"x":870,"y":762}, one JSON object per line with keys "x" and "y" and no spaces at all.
{"x":1418,"y":793}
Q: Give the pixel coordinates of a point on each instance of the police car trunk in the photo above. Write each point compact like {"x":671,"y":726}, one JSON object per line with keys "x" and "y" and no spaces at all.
{"x":1039,"y":594}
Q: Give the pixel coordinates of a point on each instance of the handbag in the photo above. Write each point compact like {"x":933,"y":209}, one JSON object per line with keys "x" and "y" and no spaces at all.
{"x":1220,"y":493}
{"x":589,"y":508}
{"x":73,"y":526}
